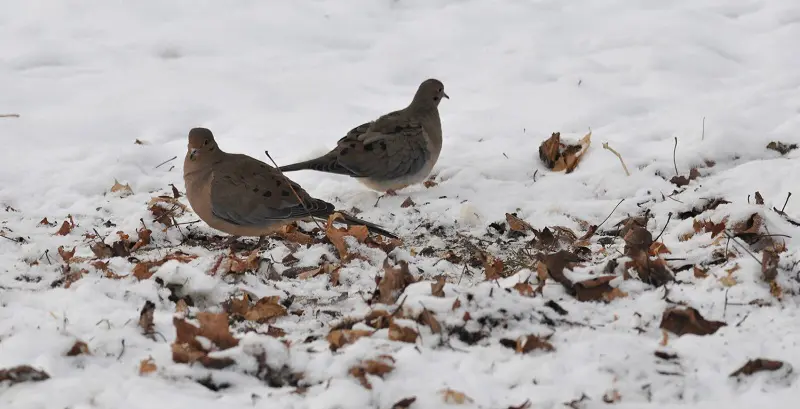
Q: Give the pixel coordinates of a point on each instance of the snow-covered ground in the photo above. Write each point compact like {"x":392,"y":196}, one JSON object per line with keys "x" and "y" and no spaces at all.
{"x":89,"y":78}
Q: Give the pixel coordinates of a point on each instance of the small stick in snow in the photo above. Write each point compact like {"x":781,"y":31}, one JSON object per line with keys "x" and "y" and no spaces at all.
{"x":669,"y":217}
{"x":122,"y":351}
{"x":739,"y":324}
{"x":786,"y":202}
{"x":9,"y":115}
{"x":674,"y":150}
{"x":703,"y":135}
{"x":609,"y":148}
{"x":289,"y":182}
{"x":733,"y":238}
{"x":725,"y":308}
{"x":166,"y":161}
{"x":609,"y":215}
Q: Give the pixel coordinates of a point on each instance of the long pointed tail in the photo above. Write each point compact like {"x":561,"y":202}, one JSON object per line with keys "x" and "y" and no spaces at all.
{"x":326,"y":164}
{"x":372,"y":227}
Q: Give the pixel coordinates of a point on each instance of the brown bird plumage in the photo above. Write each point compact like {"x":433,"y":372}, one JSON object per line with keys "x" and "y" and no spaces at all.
{"x":394,"y":151}
{"x":242,"y":196}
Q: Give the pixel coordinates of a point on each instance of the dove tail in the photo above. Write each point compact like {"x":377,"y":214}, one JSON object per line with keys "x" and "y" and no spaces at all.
{"x":372,"y":227}
{"x":323,"y":164}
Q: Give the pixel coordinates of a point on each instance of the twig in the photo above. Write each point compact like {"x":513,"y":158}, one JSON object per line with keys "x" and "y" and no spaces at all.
{"x":121,"y":352}
{"x":786,"y":202}
{"x":703,"y":135}
{"x":669,"y":217}
{"x":607,"y":147}
{"x":9,"y":238}
{"x":674,"y":150}
{"x":289,"y":182}
{"x":47,"y":256}
{"x":609,"y":215}
{"x":733,"y":239}
{"x":166,"y":161}
{"x":9,"y":115}
{"x":725,"y":308}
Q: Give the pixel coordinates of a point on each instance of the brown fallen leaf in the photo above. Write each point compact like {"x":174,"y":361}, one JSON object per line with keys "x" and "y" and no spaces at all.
{"x":214,"y":327}
{"x":147,"y":366}
{"x":407,"y":203}
{"x":337,"y":236}
{"x":456,"y":304}
{"x":757,"y":365}
{"x":637,"y":246}
{"x":45,"y":222}
{"x":265,"y":309}
{"x":146,"y":316}
{"x":524,"y":289}
{"x":531,"y":343}
{"x":374,"y":367}
{"x":22,"y":373}
{"x":393,"y":282}
{"x":681,"y":321}
{"x":144,"y":239}
{"x":142,"y":270}
{"x":239,"y":265}
{"x":493,"y":268}
{"x":65,"y":229}
{"x":428,"y":318}
{"x":404,"y":403}
{"x":452,"y":396}
{"x":291,"y":233}
{"x":402,"y":334}
{"x":66,"y":255}
{"x":517,"y":224}
{"x":699,"y":272}
{"x":657,"y":248}
{"x":557,"y":156}
{"x":429,"y":183}
{"x":102,"y":250}
{"x":342,"y":337}
{"x":593,"y":289}
{"x":120,"y":189}
{"x":681,"y":181}
{"x":780,"y":147}
{"x":384,"y":243}
{"x":78,"y":348}
{"x":437,"y":288}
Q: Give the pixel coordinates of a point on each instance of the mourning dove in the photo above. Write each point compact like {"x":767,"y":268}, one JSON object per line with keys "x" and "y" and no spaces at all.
{"x":242,"y":196}
{"x":394,"y":151}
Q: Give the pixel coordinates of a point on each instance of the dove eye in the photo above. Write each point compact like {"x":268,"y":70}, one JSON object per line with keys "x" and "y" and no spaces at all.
{"x":205,"y":142}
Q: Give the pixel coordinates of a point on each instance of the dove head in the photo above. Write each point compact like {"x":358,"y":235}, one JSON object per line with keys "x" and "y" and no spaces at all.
{"x":429,"y":94}
{"x":201,"y":144}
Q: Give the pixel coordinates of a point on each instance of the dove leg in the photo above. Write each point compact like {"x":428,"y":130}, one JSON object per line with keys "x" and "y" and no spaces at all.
{"x":262,"y":240}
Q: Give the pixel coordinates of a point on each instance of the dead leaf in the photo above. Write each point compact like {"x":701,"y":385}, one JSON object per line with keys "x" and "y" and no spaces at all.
{"x":22,"y":373}
{"x":769,"y":265}
{"x":144,"y":239}
{"x":393,"y":282}
{"x":66,"y":255}
{"x":142,"y":270}
{"x":532,"y":343}
{"x":429,"y":183}
{"x":427,"y":318}
{"x":456,"y":304}
{"x":265,"y":309}
{"x":102,"y":250}
{"x":240,"y":265}
{"x":78,"y":348}
{"x":557,"y":156}
{"x":493,"y":268}
{"x":681,"y":321}
{"x":139,"y":142}
{"x":342,"y":337}
{"x":407,"y":203}
{"x":384,"y":243}
{"x":517,"y":224}
{"x":614,"y":294}
{"x":45,"y":222}
{"x":452,"y":396}
{"x":524,"y":405}
{"x":121,"y":190}
{"x":337,"y":236}
{"x":593,"y":289}
{"x":657,"y":248}
{"x":402,"y":334}
{"x":437,"y":288}
{"x":374,"y":367}
{"x":637,"y":246}
{"x":65,"y":229}
{"x":146,"y":319}
{"x":291,"y":233}
{"x":214,"y":327}
{"x":612,"y":396}
{"x":781,"y":147}
{"x":524,"y":289}
{"x":175,"y":193}
{"x":404,"y":403}
{"x":757,"y":365}
{"x":147,"y":366}
{"x":181,"y":307}
{"x":700,"y":273}
{"x":759,"y":198}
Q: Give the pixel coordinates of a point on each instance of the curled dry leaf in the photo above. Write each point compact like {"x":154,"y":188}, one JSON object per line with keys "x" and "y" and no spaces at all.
{"x":393,"y":282}
{"x":65,"y":228}
{"x":66,"y":255}
{"x":239,"y":265}
{"x":557,"y":156}
{"x":532,"y":342}
{"x":373,"y":367}
{"x":437,"y":288}
{"x":452,"y":396}
{"x":337,"y":236}
{"x":264,"y":310}
{"x":120,"y":189}
{"x":492,"y":267}
{"x":146,"y":319}
{"x":757,"y":365}
{"x":637,"y":246}
{"x":517,"y":224}
{"x":144,"y":239}
{"x":214,"y":327}
{"x":147,"y":366}
{"x":427,"y":318}
{"x":291,"y":233}
{"x":596,"y":289}
{"x":78,"y":348}
{"x":681,"y":321}
{"x":404,"y":403}
{"x":401,"y":333}
{"x":384,"y":243}
{"x":341,"y":337}
{"x":699,"y":272}
{"x":524,"y":289}
{"x":408,"y":203}
{"x":22,"y":373}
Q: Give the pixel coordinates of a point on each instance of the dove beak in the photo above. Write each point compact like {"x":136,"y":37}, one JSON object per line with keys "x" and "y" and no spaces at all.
{"x":444,"y":94}
{"x":193,"y":154}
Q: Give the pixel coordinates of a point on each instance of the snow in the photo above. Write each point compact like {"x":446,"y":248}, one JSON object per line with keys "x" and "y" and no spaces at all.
{"x":88,"y":78}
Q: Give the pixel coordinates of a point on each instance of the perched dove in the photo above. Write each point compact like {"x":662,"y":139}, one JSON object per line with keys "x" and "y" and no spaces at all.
{"x":243,"y":196}
{"x":394,"y":151}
